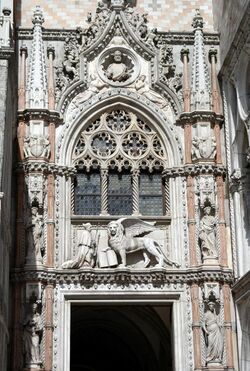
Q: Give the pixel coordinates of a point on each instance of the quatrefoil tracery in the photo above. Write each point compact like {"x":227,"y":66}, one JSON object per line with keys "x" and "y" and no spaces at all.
{"x":117,"y":138}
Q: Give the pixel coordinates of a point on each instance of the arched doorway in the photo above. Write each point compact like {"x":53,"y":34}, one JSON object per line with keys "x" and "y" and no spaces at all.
{"x":109,"y":338}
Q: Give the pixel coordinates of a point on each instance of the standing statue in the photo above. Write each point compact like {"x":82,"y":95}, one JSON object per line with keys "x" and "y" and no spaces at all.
{"x":32,"y":337}
{"x":86,"y":254}
{"x":126,"y":236}
{"x":207,"y":234}
{"x":213,"y":335}
{"x":118,"y":71}
{"x":34,"y":229}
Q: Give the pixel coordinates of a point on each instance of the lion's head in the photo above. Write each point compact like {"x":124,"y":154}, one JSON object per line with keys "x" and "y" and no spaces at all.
{"x":115,"y":229}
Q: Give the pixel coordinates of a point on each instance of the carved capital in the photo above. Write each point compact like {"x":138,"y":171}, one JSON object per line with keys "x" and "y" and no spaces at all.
{"x":51,"y":51}
{"x":184,"y":52}
{"x":212,"y":54}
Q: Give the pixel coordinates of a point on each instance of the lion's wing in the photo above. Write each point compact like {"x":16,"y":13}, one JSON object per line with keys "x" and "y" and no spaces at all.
{"x":135,"y":227}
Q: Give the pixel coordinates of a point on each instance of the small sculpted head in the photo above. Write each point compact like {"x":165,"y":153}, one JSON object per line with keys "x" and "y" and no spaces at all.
{"x":112,"y":229}
{"x":211,"y":306}
{"x":117,"y":56}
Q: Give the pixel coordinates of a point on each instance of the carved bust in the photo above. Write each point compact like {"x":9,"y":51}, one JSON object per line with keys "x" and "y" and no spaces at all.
{"x":118,"y":71}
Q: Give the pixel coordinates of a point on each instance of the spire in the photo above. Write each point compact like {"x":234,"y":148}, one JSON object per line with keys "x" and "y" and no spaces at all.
{"x":200,"y":79}
{"x":37,"y":80}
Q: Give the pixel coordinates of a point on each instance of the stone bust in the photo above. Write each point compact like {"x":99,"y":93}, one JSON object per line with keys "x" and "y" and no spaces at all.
{"x":118,"y":71}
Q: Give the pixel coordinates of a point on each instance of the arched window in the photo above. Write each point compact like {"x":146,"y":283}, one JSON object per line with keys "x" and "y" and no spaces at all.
{"x":119,"y":160}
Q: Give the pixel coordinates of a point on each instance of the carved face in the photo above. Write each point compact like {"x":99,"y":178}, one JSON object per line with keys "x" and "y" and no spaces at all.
{"x":118,"y":56}
{"x":113,"y":228}
{"x":211,"y":306}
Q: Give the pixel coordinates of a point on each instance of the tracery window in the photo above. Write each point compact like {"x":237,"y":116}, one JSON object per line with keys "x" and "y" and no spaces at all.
{"x":119,"y":160}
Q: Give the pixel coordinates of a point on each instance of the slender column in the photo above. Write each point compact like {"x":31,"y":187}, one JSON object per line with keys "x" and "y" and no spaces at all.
{"x":20,"y":231}
{"x":104,"y":191}
{"x":167,"y":196}
{"x":135,"y":191}
{"x":196,"y":325}
{"x":16,"y":359}
{"x":186,"y":87}
{"x":22,"y":82}
{"x":51,"y":90}
{"x":187,"y":103}
{"x":191,"y":220}
{"x":216,"y":101}
{"x":214,"y":83}
{"x":48,"y":326}
{"x":228,"y":325}
{"x":221,"y":220}
{"x":50,"y":220}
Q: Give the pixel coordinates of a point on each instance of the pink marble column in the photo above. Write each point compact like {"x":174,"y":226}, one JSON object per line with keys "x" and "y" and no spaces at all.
{"x":228,"y":326}
{"x":191,"y":220}
{"x":22,"y":81}
{"x":48,"y":327}
{"x":221,"y":220}
{"x":196,"y":325}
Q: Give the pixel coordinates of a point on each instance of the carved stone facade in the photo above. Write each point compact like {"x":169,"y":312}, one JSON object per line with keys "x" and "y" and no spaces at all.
{"x":129,"y":207}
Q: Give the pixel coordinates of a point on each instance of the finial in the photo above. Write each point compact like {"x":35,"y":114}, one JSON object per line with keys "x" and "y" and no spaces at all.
{"x":37,"y":16}
{"x":198,"y":20}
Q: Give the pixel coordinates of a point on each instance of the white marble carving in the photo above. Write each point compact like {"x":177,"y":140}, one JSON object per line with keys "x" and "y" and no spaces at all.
{"x":207,"y":234}
{"x":35,"y":187}
{"x":86,"y":254}
{"x":126,"y":236}
{"x":143,"y":88}
{"x":31,"y":338}
{"x":36,"y":146}
{"x":213,"y":336}
{"x":203,"y":148}
{"x":34,"y":232}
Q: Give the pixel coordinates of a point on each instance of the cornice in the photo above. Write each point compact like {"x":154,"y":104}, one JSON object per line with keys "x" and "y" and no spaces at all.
{"x":154,"y":276}
{"x":40,"y":114}
{"x":186,"y":38}
{"x":29,"y":166}
{"x":195,"y":169}
{"x":198,"y":116}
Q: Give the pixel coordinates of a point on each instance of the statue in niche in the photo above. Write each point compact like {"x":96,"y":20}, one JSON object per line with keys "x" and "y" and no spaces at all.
{"x":34,"y":230}
{"x":207,"y":235}
{"x":36,"y":146}
{"x":86,"y":254}
{"x":32,"y":335}
{"x":143,"y":89}
{"x":203,"y":148}
{"x":126,"y":235}
{"x":118,"y":71}
{"x":213,"y":335}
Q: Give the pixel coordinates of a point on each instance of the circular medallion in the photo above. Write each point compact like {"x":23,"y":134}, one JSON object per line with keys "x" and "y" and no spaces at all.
{"x":118,"y":66}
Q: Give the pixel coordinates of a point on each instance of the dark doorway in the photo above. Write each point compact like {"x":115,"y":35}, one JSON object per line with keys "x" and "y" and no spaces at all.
{"x":125,"y":338}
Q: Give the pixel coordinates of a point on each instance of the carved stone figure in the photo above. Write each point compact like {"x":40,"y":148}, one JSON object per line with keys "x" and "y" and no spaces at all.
{"x":32,"y":337}
{"x":34,"y":229}
{"x":86,"y":254}
{"x":203,"y":148}
{"x":213,"y":335}
{"x":152,"y":37}
{"x":36,"y":146}
{"x":207,"y":233}
{"x":122,"y":239}
{"x":118,"y":71}
{"x":144,"y":89}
